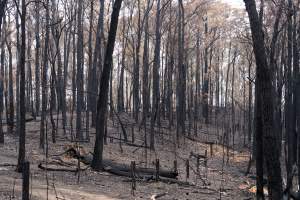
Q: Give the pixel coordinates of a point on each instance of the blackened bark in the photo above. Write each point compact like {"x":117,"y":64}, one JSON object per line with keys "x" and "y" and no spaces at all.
{"x":21,"y":156}
{"x":10,"y":121}
{"x":2,"y":13}
{"x":26,"y":182}
{"x":155,"y":74}
{"x":97,"y":61}
{"x":181,"y":86}
{"x":104,"y":84}
{"x":206,"y":78}
{"x":2,"y":65}
{"x":288,"y":96}
{"x":79,"y":74}
{"x":18,"y":72}
{"x":136,"y":74}
{"x":44,"y":79}
{"x":145,"y":92}
{"x":265,"y":108}
{"x":37,"y":58}
{"x":120,"y":99}
{"x":90,"y":65}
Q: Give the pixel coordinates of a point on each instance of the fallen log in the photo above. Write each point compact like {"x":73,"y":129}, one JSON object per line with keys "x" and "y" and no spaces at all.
{"x":145,"y":173}
{"x":8,"y":165}
{"x":121,"y":169}
{"x":41,"y":166}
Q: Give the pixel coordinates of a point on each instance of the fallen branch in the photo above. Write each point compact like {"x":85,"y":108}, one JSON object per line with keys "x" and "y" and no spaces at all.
{"x":156,"y":196}
{"x":120,"y":122}
{"x":121,"y":169}
{"x":8,"y":165}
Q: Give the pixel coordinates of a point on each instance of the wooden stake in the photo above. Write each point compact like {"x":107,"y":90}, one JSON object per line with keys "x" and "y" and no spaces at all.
{"x":198,"y":163}
{"x":175,"y":166}
{"x":157,"y":170}
{"x":133,"y":183}
{"x":211,"y":149}
{"x":205,"y":159}
{"x":187,"y":169}
{"x":132,"y":133}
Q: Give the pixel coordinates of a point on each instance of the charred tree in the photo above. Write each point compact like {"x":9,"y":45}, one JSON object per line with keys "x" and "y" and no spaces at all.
{"x":264,"y":109}
{"x":104,"y":84}
{"x":22,"y":136}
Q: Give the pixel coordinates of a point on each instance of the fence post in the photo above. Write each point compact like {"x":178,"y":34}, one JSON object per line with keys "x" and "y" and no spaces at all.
{"x":133,"y":183}
{"x":187,"y":169}
{"x":157,"y":170}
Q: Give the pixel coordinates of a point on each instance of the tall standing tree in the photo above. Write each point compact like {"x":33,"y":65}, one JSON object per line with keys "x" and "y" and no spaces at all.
{"x":136,"y":69}
{"x":2,"y":66}
{"x":21,"y":63}
{"x":2,"y":12}
{"x":44,"y":77}
{"x":10,"y":121}
{"x":2,"y":15}
{"x":37,"y":57}
{"x":206,"y":74}
{"x":104,"y":84}
{"x":181,"y":85}
{"x":155,"y":74}
{"x":264,"y":109}
{"x":90,"y":66}
{"x":145,"y":74}
{"x":97,"y":61}
{"x":79,"y":73}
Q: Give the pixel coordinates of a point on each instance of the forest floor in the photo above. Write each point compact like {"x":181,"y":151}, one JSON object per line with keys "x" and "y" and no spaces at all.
{"x":211,"y":183}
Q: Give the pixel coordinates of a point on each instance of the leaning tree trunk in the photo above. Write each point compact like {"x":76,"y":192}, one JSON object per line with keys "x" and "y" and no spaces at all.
{"x":104,"y":84}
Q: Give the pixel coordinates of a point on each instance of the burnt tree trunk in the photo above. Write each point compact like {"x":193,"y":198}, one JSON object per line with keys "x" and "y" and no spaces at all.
{"x":104,"y":84}
{"x":21,"y":156}
{"x":264,"y":109}
{"x":44,"y":79}
{"x":181,"y":86}
{"x":79,"y":73}
{"x":37,"y":58}
{"x":155,"y":74}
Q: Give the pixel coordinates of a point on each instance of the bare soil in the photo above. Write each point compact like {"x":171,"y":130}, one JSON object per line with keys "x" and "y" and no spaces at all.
{"x":219,"y":180}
